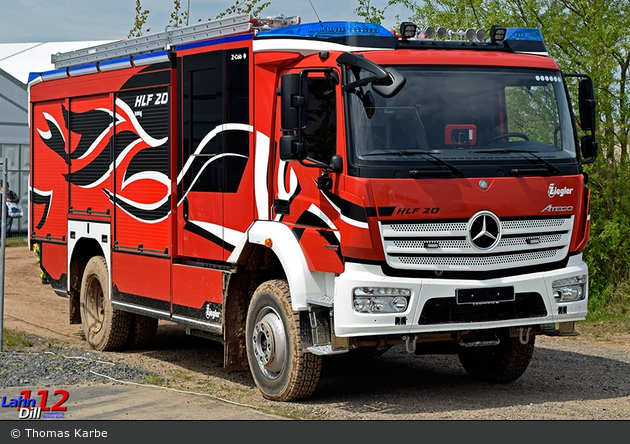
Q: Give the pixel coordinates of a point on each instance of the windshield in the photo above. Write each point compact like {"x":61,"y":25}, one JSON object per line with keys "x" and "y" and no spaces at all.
{"x":472,"y":121}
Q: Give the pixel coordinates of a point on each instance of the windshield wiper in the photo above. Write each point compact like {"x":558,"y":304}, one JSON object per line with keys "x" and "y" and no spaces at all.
{"x":516,"y":171}
{"x":451,"y":169}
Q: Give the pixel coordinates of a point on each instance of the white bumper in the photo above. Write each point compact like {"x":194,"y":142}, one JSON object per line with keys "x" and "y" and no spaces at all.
{"x":347,"y":322}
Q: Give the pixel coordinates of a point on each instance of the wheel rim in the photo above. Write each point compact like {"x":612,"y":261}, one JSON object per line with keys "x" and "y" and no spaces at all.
{"x":269,"y":343}
{"x":95,"y":306}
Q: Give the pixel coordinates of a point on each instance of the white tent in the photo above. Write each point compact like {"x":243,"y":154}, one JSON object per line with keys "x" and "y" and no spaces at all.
{"x":21,"y":59}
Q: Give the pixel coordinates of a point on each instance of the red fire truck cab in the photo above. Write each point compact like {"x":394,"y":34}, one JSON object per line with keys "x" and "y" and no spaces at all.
{"x":302,"y":190}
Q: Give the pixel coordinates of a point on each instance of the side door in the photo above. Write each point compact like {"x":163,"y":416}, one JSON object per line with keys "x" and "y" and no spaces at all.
{"x":214,"y":209}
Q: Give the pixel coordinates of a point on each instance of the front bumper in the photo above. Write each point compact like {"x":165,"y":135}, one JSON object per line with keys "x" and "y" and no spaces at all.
{"x":535,"y":304}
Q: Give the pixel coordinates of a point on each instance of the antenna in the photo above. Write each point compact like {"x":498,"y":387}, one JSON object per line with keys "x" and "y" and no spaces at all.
{"x":320,"y":20}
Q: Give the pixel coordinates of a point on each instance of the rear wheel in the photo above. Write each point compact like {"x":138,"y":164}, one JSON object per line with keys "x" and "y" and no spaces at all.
{"x":282,"y":370}
{"x":505,"y":362}
{"x":142,"y":331}
{"x":105,"y":328}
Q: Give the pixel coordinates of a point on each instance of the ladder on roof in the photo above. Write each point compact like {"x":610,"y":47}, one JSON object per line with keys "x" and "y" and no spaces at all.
{"x":237,"y":24}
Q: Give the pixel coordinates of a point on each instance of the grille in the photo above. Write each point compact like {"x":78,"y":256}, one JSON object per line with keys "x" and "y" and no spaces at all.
{"x":444,"y":246}
{"x":446,"y":310}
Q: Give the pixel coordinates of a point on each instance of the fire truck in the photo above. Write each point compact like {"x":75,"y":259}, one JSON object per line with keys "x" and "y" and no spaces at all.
{"x":297,"y":191}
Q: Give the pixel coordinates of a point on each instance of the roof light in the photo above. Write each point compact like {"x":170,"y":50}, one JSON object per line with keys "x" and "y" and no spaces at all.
{"x":524,"y":34}
{"x":408,"y":30}
{"x":497,"y":33}
{"x":525,"y":40}
{"x":428,"y":32}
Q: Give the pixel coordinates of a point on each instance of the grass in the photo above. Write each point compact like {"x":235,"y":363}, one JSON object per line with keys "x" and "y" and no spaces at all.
{"x":154,"y":379}
{"x":12,"y":338}
{"x":609,"y":320}
{"x":15,"y":242}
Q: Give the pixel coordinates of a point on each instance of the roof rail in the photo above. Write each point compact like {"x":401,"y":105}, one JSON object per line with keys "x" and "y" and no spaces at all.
{"x":172,"y":37}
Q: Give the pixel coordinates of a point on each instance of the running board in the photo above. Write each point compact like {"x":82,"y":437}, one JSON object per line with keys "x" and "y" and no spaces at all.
{"x":326,"y":350}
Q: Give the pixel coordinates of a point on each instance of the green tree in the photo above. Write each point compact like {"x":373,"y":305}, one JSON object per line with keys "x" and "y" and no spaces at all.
{"x":244,"y":7}
{"x":139,"y":21}
{"x":178,"y":17}
{"x":372,"y":14}
{"x":591,"y":37}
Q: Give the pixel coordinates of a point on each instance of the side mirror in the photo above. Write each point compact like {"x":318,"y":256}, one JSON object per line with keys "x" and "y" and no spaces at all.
{"x":587,"y":104}
{"x":589,"y":148}
{"x":291,"y":148}
{"x":336,"y":163}
{"x":293,"y":99}
{"x":390,"y":89}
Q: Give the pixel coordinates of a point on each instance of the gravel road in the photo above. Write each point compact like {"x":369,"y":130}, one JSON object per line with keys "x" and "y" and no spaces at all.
{"x":575,"y":378}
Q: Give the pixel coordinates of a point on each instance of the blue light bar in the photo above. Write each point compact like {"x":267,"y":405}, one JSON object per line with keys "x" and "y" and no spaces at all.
{"x":345,"y":33}
{"x":525,"y":40}
{"x":524,"y":34}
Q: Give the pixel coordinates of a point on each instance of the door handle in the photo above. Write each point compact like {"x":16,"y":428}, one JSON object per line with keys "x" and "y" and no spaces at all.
{"x":185,"y":209}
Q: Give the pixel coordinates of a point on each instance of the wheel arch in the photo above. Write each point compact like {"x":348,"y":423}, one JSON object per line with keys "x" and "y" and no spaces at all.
{"x":82,"y":251}
{"x":277,"y":237}
{"x":258,"y":261}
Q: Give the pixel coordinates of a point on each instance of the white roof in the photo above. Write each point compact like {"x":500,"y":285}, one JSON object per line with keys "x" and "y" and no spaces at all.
{"x":21,"y":59}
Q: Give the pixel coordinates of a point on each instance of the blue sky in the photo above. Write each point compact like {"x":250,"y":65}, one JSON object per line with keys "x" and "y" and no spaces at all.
{"x":26,"y":21}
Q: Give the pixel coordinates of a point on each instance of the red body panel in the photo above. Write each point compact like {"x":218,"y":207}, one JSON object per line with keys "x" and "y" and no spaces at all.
{"x":54,"y":260}
{"x":194,"y":286}
{"x":49,"y":213}
{"x":142,"y":275}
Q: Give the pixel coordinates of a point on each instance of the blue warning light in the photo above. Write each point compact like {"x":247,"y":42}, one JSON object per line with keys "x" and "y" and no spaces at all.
{"x":348,"y":33}
{"x":524,"y":34}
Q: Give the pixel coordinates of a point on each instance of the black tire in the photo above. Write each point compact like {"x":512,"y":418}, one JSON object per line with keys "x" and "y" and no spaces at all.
{"x":143,"y":330}
{"x":282,"y":370}
{"x":505,"y":362}
{"x":105,"y":328}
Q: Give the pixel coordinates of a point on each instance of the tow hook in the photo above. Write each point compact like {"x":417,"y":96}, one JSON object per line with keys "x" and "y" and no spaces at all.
{"x":413,"y":343}
{"x":522,"y":340}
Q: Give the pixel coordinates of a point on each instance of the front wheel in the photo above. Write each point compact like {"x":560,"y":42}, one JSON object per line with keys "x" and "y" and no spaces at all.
{"x":282,"y":370}
{"x":505,"y":362}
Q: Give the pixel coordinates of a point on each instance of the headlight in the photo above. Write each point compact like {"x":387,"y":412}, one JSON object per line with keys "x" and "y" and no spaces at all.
{"x":570,"y":289}
{"x":380,"y":299}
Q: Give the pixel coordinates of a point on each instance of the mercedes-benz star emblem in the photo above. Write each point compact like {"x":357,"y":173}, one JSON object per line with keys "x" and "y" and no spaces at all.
{"x":483,"y":185}
{"x":484,"y":231}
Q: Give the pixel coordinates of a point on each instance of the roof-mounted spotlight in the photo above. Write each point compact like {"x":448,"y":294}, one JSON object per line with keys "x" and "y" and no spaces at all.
{"x":497,"y":33}
{"x":470,"y":34}
{"x":428,"y":32}
{"x":441,"y":32}
{"x":408,"y":30}
{"x":481,"y":35}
